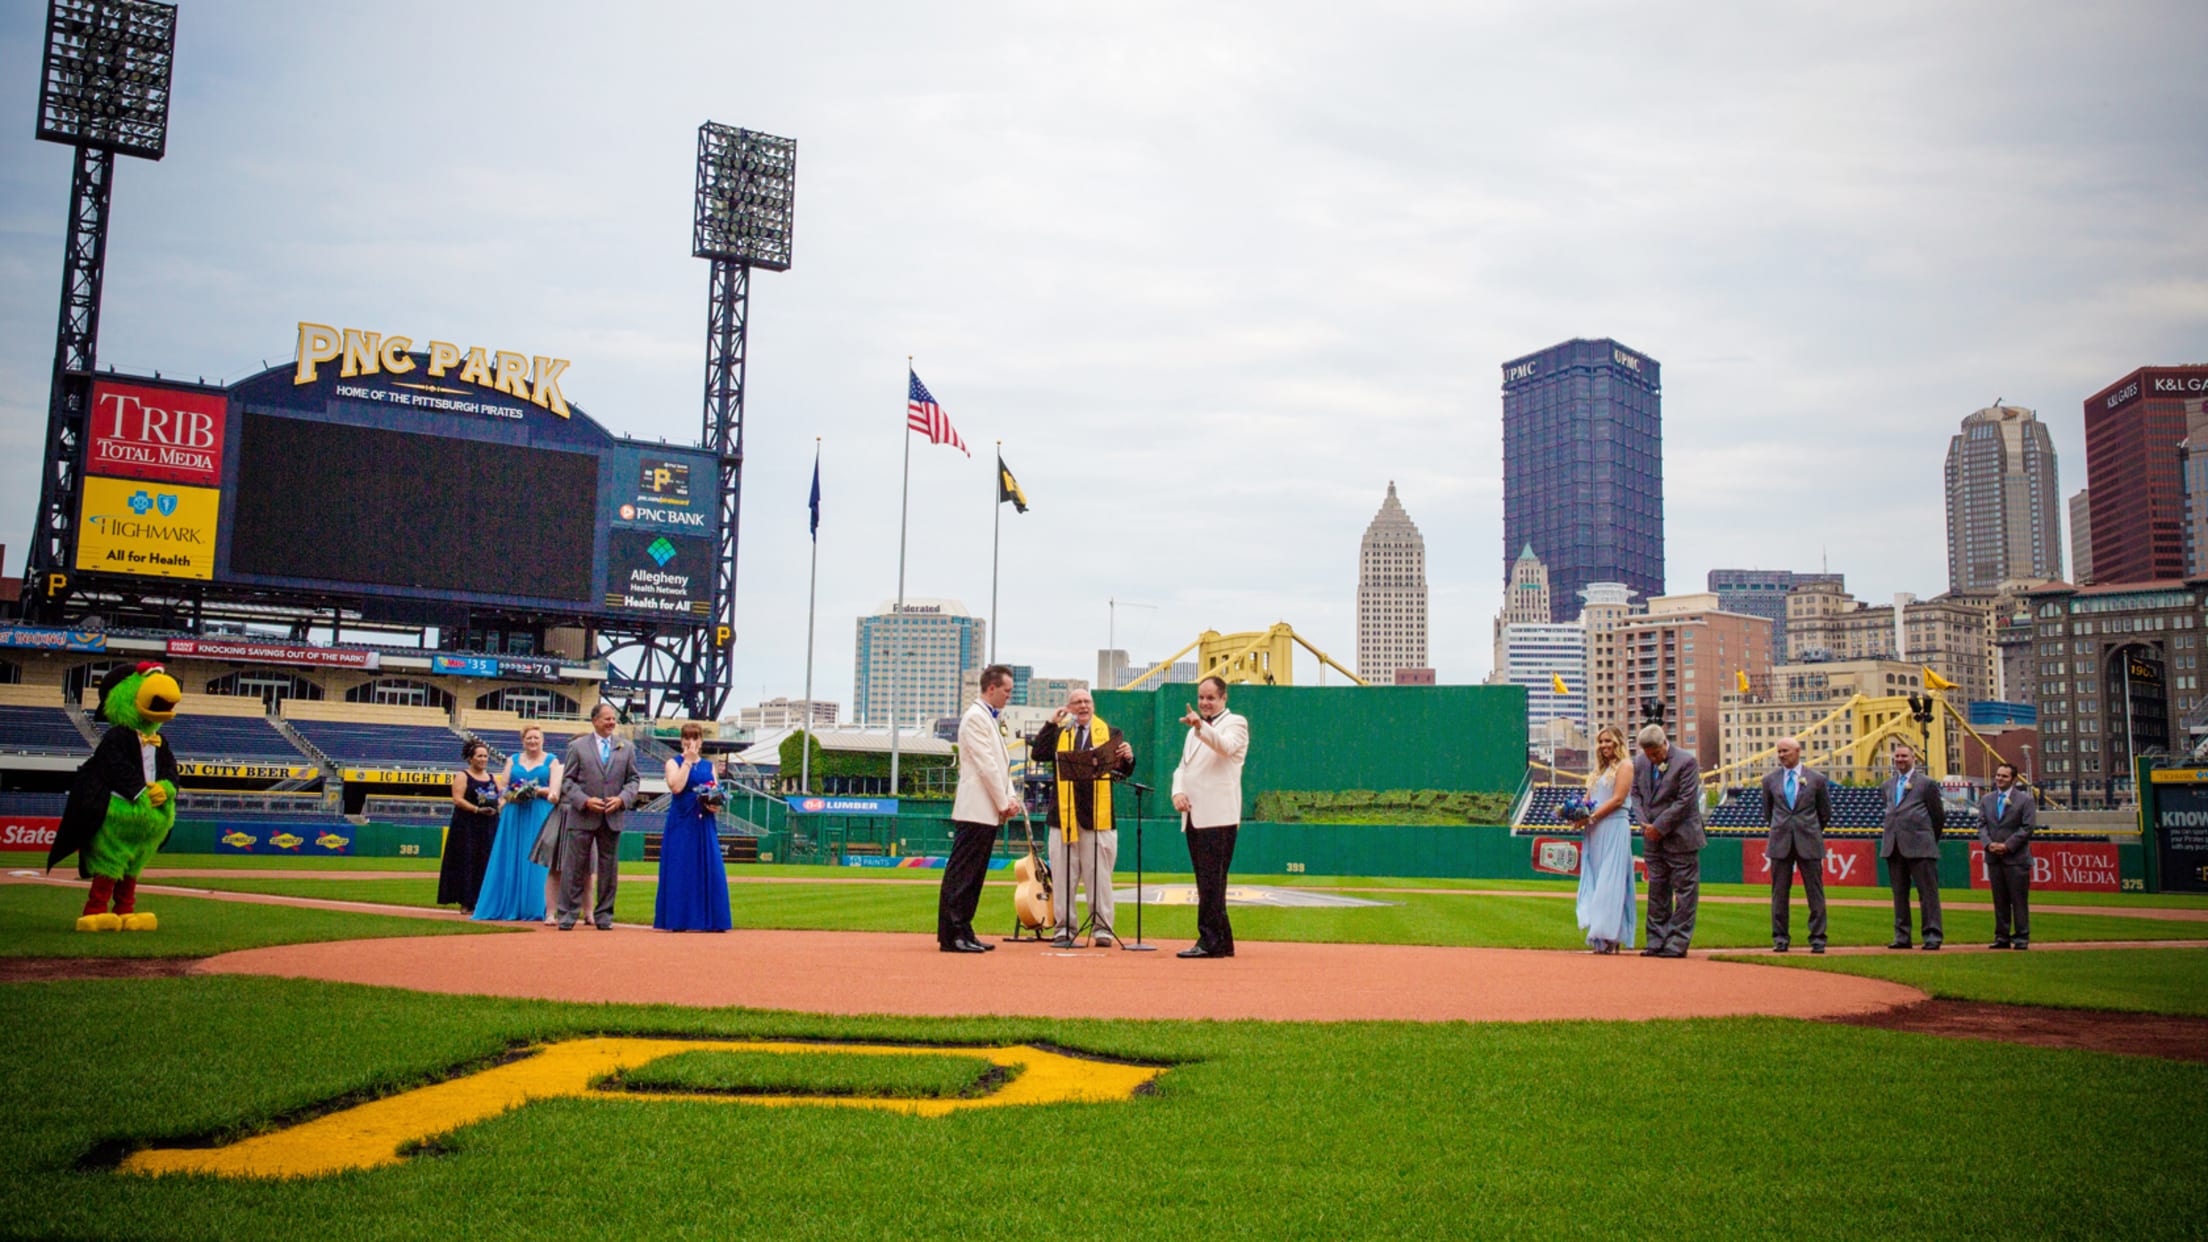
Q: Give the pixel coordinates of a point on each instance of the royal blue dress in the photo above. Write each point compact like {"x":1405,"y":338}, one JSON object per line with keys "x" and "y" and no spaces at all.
{"x":513,"y":887}
{"x":693,"y":885}
{"x":1606,"y":870}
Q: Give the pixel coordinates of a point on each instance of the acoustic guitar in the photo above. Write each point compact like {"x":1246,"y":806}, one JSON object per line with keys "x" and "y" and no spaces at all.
{"x":1031,"y":897}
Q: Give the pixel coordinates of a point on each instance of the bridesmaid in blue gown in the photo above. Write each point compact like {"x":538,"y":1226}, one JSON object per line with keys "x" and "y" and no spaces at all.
{"x":693,"y":884}
{"x":1606,"y":849}
{"x":513,"y":886}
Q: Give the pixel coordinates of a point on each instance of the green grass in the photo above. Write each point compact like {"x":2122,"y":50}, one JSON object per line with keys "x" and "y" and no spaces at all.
{"x":1723,"y":1128}
{"x":826,"y":1073}
{"x":1421,"y":917}
{"x":2173,"y":981}
{"x":38,"y":920}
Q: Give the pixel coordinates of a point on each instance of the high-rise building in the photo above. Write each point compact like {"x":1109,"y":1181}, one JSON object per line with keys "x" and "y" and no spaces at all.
{"x":1606,"y":605}
{"x":927,"y":646}
{"x":1762,"y":593}
{"x":1686,"y":653}
{"x":2132,"y":428}
{"x":786,"y":713}
{"x":2193,"y":466}
{"x":1952,"y":635}
{"x":1583,"y":468}
{"x":1391,"y":594}
{"x":2004,"y":511}
{"x":1525,"y":602}
{"x":2081,"y":537}
{"x":1537,"y":655}
{"x":1115,"y":668}
{"x":2120,"y":670}
{"x":1797,"y":698}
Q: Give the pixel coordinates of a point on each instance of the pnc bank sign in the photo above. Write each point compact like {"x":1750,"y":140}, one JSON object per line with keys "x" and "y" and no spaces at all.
{"x":533,"y":378}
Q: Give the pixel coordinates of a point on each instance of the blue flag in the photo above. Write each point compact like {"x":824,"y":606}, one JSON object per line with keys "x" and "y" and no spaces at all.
{"x":816,"y":495}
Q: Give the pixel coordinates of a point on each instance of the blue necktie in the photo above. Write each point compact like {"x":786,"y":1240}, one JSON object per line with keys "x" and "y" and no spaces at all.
{"x":605,"y":752}
{"x":1790,"y":789}
{"x":1901,"y":786}
{"x":2001,"y":807}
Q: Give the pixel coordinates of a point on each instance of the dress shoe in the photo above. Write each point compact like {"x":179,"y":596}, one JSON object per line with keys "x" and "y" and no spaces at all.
{"x":1998,"y":944}
{"x":1671,"y":953}
{"x":1779,"y":946}
{"x":2020,"y":944}
{"x":1102,"y":942}
{"x":567,"y":925}
{"x":1198,"y":951}
{"x":1817,"y":946}
{"x":1901,"y":944}
{"x":1652,"y":951}
{"x":960,"y":946}
{"x":605,"y":926}
{"x":1062,"y":942}
{"x":1930,"y":944}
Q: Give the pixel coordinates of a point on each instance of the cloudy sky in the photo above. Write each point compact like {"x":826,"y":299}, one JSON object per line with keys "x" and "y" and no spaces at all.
{"x":1215,"y":274}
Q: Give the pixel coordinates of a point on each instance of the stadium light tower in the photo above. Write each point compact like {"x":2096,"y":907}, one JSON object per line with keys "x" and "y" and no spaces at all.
{"x":105,"y":91}
{"x":747,"y":187}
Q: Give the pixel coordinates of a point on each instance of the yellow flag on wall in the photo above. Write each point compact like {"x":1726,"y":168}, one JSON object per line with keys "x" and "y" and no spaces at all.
{"x":1933,"y":681}
{"x":1557,"y":680}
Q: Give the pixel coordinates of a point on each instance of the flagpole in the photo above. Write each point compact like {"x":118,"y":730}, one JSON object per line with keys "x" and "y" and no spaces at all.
{"x":904,"y":509}
{"x":812,"y":608}
{"x":996,"y":537}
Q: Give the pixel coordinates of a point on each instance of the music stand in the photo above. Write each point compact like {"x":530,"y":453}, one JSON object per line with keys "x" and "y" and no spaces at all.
{"x":1095,"y":765}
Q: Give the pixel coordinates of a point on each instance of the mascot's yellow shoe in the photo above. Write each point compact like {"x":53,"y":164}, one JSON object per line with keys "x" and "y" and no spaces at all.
{"x":100,"y":922}
{"x":141,"y":921}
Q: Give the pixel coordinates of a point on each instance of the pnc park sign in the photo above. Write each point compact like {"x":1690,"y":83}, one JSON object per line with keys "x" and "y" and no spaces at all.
{"x":534,"y":378}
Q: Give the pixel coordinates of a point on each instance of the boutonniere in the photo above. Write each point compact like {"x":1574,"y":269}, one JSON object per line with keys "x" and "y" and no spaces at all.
{"x":1662,"y":768}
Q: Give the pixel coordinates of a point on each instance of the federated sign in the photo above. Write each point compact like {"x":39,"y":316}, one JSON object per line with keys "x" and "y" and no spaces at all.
{"x":393,"y":776}
{"x":844,"y":806}
{"x":245,"y":771}
{"x":158,"y":530}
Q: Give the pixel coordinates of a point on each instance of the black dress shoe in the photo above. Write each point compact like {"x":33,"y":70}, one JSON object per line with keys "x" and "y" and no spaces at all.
{"x":961,"y":946}
{"x":1779,"y":946}
{"x":1652,"y":952}
{"x":1670,"y":953}
{"x":605,"y":926}
{"x":1930,"y":944}
{"x":1062,"y":942}
{"x":1901,"y":944}
{"x":1197,"y":951}
{"x":2020,"y":944}
{"x":1998,"y":944}
{"x":1816,"y":947}
{"x":567,"y":925}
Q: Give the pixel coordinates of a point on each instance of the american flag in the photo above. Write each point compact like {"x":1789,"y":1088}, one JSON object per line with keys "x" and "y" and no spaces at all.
{"x":923,"y":415}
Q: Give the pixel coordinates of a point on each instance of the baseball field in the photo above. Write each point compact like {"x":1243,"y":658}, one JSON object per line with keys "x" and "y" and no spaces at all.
{"x":314,"y":1050}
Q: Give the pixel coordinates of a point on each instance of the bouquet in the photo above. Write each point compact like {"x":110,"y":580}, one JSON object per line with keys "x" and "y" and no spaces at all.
{"x":523,"y":791}
{"x":711,"y":797}
{"x":1574,"y":811}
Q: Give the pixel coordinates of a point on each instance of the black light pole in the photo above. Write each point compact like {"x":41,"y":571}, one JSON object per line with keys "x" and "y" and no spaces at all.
{"x":104,"y":90}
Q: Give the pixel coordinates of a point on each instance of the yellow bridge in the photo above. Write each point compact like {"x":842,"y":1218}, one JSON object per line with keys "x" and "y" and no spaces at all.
{"x":1261,"y":657}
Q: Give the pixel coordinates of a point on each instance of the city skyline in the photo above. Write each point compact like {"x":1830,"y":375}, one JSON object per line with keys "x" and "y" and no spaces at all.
{"x":1092,"y":281}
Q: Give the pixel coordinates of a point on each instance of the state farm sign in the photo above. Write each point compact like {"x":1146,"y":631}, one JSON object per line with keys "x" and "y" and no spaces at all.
{"x":156,"y":433}
{"x":1850,"y":864}
{"x":2061,"y":867}
{"x":28,"y":832}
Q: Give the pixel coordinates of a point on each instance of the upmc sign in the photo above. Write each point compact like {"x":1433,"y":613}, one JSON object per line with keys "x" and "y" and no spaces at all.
{"x":156,"y":433}
{"x":1849,"y":864}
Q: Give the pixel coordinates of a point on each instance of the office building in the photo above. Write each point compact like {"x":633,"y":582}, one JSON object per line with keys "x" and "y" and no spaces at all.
{"x":1686,"y":653}
{"x":1604,"y":607}
{"x":2004,"y":512}
{"x":786,"y":713}
{"x":2119,"y":675}
{"x":2081,"y":537}
{"x":1762,"y":593}
{"x":2132,"y":429}
{"x":1952,"y":635}
{"x":926,"y":648}
{"x":1583,"y":472}
{"x":1795,"y":701}
{"x":1391,"y":594}
{"x":2193,"y":468}
{"x":1537,"y":655}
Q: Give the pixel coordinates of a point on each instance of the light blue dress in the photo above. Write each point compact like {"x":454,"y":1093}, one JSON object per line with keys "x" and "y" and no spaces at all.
{"x":1606,"y":869}
{"x":513,"y":887}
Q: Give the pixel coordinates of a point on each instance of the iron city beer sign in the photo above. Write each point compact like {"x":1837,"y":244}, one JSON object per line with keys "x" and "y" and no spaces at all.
{"x":529,"y":377}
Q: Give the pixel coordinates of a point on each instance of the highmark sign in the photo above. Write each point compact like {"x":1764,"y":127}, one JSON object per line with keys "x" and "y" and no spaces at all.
{"x":533,"y":378}
{"x":161,"y":530}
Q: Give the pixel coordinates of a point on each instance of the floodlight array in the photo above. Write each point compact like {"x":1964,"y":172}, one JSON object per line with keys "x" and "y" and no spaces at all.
{"x":747,"y":187}
{"x":106,"y":79}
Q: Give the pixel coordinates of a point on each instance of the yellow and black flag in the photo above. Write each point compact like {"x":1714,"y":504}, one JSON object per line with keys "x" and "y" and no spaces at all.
{"x":1008,"y":488}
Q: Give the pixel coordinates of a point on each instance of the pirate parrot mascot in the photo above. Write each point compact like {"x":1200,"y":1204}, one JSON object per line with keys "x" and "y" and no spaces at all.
{"x":124,"y":801}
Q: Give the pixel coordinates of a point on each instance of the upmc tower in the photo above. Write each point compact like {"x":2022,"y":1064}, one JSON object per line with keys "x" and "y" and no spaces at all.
{"x":1583,"y":468}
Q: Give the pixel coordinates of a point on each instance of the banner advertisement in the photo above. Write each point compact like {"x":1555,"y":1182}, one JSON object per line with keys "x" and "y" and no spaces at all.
{"x":659,"y":575}
{"x":247,"y":651}
{"x":52,"y":640}
{"x":166,"y":434}
{"x":532,"y":668}
{"x":29,"y":832}
{"x":159,"y":530}
{"x":844,"y":806}
{"x":246,"y":771}
{"x":2180,"y":829}
{"x":665,"y":499}
{"x":392,"y":776}
{"x":299,"y":841}
{"x":2060,"y":866}
{"x":1848,"y":864}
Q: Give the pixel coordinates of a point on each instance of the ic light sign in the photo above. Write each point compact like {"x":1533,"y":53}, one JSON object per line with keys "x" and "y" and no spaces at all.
{"x":156,"y":433}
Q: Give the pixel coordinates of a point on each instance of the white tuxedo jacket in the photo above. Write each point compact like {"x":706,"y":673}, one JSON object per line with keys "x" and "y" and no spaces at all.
{"x":984,"y":769}
{"x":1211,"y":771}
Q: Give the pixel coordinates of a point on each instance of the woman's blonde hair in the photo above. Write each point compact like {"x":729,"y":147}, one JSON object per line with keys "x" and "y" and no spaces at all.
{"x":1615,"y":734}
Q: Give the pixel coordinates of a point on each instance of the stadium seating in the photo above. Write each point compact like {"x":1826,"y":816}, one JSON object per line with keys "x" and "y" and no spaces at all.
{"x":40,"y":730}
{"x":218,"y":739}
{"x":23,"y":803}
{"x":1855,"y":810}
{"x":1541,"y":807}
{"x":382,"y":745}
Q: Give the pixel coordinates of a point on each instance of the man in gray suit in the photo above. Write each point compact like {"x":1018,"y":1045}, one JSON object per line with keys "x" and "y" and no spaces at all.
{"x":2006,"y":818}
{"x":1797,"y":808}
{"x":1667,"y":787}
{"x":601,"y":782}
{"x":1910,"y":844}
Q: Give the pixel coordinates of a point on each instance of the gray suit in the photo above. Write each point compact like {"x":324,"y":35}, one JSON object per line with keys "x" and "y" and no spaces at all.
{"x":1797,"y":841}
{"x":1670,"y":801}
{"x":1910,"y":844}
{"x":588,"y":833}
{"x":2009,"y":874}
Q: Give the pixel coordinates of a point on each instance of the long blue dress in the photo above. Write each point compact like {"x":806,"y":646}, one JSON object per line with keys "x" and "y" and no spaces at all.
{"x":693,"y":884}
{"x":1606,"y":870}
{"x":513,"y":887}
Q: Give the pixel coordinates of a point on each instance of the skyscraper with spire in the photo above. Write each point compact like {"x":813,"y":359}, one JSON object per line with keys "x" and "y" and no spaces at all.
{"x":1391,"y":594}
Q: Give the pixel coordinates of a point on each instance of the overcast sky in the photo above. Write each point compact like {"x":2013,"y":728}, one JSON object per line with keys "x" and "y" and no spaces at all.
{"x":1214,"y":274}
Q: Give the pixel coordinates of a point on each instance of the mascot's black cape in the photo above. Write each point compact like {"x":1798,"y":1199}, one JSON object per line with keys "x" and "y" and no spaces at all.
{"x":116,"y":767}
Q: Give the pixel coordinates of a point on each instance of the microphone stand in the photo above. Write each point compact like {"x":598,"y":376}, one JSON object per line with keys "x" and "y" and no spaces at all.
{"x":1138,"y":946}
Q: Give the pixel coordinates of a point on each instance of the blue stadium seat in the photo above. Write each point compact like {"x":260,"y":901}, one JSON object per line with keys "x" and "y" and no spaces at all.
{"x":40,"y":730}
{"x":230,"y":739}
{"x":383,"y":745}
